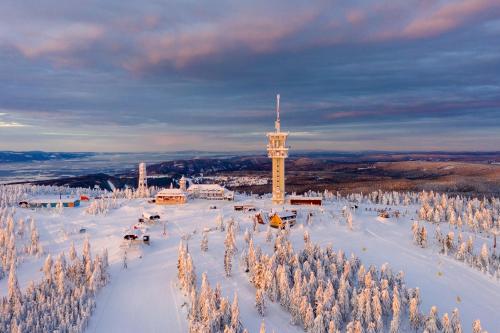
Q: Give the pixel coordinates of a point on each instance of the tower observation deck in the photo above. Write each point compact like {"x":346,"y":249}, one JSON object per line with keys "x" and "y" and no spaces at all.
{"x":277,"y":151}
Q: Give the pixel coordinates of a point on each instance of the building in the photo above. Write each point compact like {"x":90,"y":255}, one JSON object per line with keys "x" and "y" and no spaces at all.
{"x":278,"y":152}
{"x":170,"y":196}
{"x":307,"y":201}
{"x":50,"y":202}
{"x":281,"y":219}
{"x":142,"y":187}
{"x":209,"y":192}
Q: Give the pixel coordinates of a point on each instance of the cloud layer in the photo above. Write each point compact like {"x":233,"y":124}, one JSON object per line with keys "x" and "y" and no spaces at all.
{"x":123,"y":75}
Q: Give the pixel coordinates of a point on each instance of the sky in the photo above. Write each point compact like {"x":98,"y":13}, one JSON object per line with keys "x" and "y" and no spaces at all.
{"x":167,"y":75}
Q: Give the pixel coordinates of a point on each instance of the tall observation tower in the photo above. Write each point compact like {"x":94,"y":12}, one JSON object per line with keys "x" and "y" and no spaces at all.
{"x":277,"y":151}
{"x":142,"y":187}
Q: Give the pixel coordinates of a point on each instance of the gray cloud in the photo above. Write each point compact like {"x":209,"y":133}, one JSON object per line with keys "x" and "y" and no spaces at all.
{"x":156,"y":76}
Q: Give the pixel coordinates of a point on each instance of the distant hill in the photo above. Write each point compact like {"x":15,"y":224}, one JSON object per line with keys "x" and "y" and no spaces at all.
{"x":30,"y":156}
{"x":461,"y":173}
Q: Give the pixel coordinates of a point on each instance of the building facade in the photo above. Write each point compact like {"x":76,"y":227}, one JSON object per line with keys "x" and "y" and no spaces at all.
{"x":305,"y":201}
{"x":50,"y":202}
{"x":209,"y":192}
{"x":278,"y":152}
{"x":170,"y":196}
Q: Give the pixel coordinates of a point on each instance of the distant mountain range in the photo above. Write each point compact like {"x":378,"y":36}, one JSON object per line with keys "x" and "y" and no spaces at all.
{"x":363,"y":156}
{"x":462,"y":173}
{"x":30,"y":156}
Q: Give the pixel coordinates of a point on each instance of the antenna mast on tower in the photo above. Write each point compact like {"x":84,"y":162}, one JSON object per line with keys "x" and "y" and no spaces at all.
{"x":277,"y":124}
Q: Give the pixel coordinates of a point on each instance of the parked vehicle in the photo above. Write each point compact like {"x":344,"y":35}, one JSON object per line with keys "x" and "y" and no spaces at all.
{"x":245,"y":208}
{"x":150,"y":217}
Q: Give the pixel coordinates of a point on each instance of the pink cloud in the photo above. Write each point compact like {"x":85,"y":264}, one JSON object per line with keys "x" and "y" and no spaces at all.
{"x":62,"y":41}
{"x":141,"y":41}
{"x":355,"y":16}
{"x":258,"y":34}
{"x":449,"y":17}
{"x":348,"y":114}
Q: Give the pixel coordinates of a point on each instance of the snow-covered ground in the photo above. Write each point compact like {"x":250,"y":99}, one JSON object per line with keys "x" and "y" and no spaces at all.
{"x":144,"y":297}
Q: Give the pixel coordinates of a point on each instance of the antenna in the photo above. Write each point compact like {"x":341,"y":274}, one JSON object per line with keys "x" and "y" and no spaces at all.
{"x":277,"y":123}
{"x":278,"y":107}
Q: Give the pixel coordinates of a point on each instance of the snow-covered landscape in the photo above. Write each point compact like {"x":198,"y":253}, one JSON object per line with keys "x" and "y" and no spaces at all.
{"x":250,"y":166}
{"x":133,"y":286}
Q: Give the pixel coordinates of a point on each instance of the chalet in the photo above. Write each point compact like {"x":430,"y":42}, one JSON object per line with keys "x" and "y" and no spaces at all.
{"x":281,"y":219}
{"x":170,"y":196}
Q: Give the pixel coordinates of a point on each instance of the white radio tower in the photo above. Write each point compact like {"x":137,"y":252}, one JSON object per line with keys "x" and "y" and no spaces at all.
{"x":142,"y":188}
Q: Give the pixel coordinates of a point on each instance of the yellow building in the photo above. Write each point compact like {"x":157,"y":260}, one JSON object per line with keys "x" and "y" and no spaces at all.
{"x":170,"y":196}
{"x":281,"y":219}
{"x":277,"y":151}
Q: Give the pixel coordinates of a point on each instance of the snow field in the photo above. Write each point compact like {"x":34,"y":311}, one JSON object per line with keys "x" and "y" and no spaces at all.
{"x":145,"y":296}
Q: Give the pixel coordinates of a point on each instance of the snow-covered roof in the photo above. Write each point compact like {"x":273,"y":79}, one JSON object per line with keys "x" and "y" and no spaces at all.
{"x":52,"y":198}
{"x":170,"y":192}
{"x":132,"y":231}
{"x":301,"y":197}
{"x":205,"y":187}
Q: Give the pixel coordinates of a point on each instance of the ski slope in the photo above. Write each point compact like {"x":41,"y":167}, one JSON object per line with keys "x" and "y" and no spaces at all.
{"x":144,"y":296}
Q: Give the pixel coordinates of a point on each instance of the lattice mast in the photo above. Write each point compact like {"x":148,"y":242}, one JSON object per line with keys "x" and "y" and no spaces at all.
{"x":142,"y":188}
{"x":277,"y":151}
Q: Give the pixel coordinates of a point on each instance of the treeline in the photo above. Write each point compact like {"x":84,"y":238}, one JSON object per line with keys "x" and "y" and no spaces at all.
{"x":209,"y":312}
{"x":457,"y":222}
{"x":63,"y":301}
{"x":324,"y":291}
{"x":24,"y":233}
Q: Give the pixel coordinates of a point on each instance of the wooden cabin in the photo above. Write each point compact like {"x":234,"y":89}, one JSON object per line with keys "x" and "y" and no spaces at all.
{"x":281,"y":219}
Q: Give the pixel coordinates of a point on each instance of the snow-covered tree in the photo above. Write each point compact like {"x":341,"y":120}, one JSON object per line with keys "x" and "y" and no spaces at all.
{"x":260,"y":302}
{"x":204,"y":242}
{"x":269,"y":234}
{"x":476,"y":326}
{"x":228,"y":264}
{"x":455,"y":321}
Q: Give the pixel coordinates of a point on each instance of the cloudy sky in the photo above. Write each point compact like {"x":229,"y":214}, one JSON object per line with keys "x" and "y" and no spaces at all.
{"x":163,"y":75}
